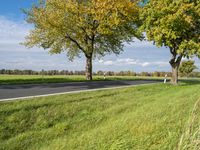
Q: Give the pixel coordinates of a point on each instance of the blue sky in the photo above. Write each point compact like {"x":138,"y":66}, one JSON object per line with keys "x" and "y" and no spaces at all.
{"x":138,"y":56}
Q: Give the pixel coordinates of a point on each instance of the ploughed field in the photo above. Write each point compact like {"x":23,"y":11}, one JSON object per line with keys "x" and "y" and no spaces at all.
{"x":156,"y":116}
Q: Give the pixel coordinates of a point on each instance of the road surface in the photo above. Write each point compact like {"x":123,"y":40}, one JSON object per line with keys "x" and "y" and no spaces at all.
{"x":26,"y":90}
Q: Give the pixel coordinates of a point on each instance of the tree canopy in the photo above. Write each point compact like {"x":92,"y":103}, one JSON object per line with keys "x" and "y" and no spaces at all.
{"x":89,"y":27}
{"x":175,"y":24}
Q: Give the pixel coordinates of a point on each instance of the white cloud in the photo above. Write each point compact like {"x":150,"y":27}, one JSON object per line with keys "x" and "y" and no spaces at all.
{"x":109,"y":62}
{"x":16,"y":56}
{"x":122,"y":61}
{"x":12,"y":32}
{"x":139,"y":44}
{"x":145,"y":64}
{"x":127,"y":61}
{"x":131,"y":61}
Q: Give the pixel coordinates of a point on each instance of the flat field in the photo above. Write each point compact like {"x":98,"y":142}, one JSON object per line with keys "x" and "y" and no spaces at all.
{"x":31,"y":79}
{"x":153,"y":117}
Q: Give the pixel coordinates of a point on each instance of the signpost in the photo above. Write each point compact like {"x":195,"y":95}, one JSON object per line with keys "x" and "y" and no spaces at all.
{"x":165,"y":80}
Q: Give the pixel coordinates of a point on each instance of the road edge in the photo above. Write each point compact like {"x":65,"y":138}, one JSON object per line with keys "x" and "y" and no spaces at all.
{"x":71,"y":92}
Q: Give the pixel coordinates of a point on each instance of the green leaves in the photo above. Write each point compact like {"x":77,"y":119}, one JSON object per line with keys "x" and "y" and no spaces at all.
{"x":93,"y":26}
{"x":174,"y":24}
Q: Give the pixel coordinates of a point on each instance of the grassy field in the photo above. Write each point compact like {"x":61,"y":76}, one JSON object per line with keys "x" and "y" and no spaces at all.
{"x":150,"y":117}
{"x":28,"y":79}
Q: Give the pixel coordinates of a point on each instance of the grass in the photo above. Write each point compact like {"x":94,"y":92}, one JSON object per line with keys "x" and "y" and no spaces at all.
{"x":32,"y":79}
{"x":150,"y":117}
{"x":190,"y":139}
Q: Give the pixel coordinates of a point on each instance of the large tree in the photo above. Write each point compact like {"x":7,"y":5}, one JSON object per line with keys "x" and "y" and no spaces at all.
{"x":89,"y":27}
{"x":174,"y":24}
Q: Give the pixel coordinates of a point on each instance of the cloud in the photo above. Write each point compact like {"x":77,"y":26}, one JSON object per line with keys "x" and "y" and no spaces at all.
{"x":12,"y":32}
{"x":131,"y":61}
{"x":126,"y":61}
{"x":139,"y":44}
{"x":16,"y":56}
{"x":145,"y":64}
{"x":55,"y":62}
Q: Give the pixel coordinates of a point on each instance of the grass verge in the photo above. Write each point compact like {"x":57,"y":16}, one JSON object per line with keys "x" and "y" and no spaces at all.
{"x":144,"y":117}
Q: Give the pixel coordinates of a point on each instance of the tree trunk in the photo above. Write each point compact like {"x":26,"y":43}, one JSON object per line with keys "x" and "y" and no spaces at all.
{"x":175,"y":63}
{"x":88,"y":68}
{"x":174,"y":79}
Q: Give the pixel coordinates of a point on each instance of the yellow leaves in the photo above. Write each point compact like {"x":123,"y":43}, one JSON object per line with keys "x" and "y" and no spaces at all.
{"x":189,"y":47}
{"x":75,"y":25}
{"x":111,"y":13}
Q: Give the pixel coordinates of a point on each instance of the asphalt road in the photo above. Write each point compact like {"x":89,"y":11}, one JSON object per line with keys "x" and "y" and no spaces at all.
{"x":17,"y":91}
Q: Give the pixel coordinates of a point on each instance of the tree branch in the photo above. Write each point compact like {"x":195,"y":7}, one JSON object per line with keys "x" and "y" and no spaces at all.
{"x":86,"y":33}
{"x":73,"y":40}
{"x":178,"y":60}
{"x":173,"y":59}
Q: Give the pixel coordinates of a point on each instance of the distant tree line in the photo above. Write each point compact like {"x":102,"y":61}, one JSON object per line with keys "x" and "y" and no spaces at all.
{"x":100,"y":73}
{"x":42,"y":72}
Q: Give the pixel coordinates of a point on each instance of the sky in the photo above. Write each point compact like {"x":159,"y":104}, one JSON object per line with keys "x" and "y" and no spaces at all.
{"x":137,"y":56}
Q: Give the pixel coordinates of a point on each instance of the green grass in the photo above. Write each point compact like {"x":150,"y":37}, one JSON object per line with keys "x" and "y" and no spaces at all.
{"x":150,"y":117}
{"x":31,"y":79}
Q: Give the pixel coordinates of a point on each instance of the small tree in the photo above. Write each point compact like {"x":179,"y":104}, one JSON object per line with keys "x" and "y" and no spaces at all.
{"x":176,"y":25}
{"x":187,"y":67}
{"x":89,"y":27}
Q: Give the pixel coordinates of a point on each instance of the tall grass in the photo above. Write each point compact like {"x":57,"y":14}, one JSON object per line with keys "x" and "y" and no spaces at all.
{"x":190,"y":139}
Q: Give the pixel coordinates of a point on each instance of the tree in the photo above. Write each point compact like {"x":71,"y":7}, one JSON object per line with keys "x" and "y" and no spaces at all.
{"x":174,"y":24}
{"x":187,"y":67}
{"x":90,"y":27}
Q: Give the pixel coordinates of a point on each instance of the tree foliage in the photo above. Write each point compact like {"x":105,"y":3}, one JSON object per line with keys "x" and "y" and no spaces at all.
{"x":187,"y":67}
{"x":175,"y":24}
{"x":89,"y":27}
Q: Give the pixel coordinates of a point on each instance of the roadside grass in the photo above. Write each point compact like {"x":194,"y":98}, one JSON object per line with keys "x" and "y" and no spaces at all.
{"x":32,"y":79}
{"x":190,"y":139}
{"x":152,"y":117}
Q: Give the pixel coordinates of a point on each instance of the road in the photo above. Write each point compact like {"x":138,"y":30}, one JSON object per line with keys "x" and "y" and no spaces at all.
{"x":27,"y":90}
